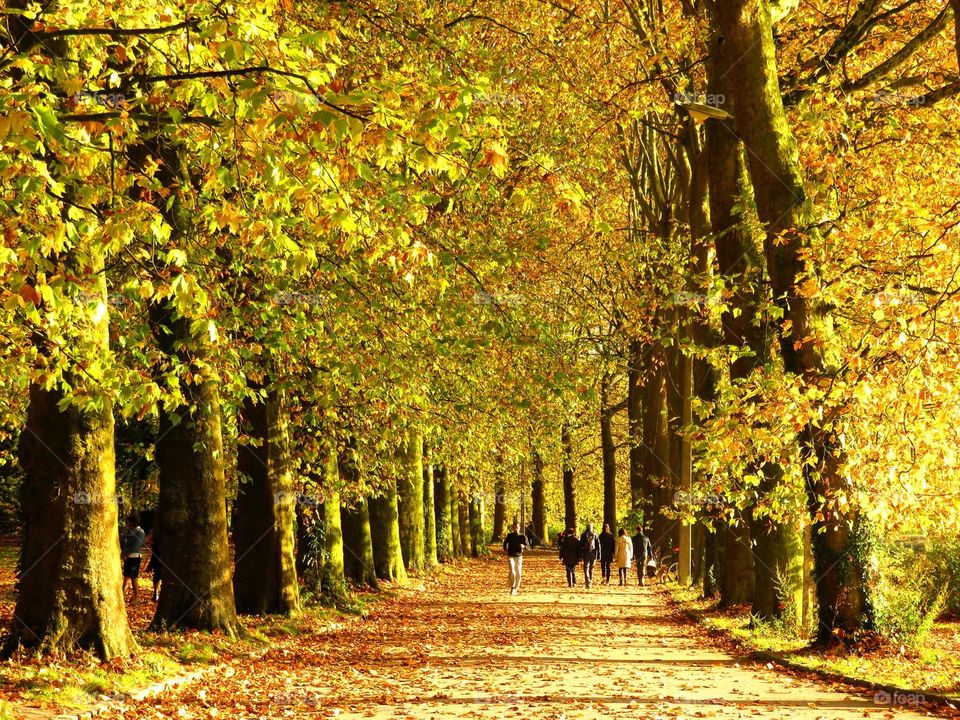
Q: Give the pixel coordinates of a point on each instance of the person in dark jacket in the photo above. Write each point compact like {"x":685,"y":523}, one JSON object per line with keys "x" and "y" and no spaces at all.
{"x":589,"y":549}
{"x":513,"y":545}
{"x":570,"y":555}
{"x":643,"y":552}
{"x":607,"y":542}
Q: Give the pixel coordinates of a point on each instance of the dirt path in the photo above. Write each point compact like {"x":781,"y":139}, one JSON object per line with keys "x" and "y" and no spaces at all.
{"x":464,"y":648}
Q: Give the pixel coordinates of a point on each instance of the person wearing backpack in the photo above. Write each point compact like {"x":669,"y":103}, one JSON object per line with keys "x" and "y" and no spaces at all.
{"x":624,"y":554}
{"x":607,"y":543}
{"x":570,"y":555}
{"x":589,"y":548}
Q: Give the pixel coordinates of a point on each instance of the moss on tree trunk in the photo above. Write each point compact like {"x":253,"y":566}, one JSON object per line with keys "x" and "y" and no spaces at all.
{"x":385,"y":533}
{"x":478,"y":541}
{"x":788,"y":215}
{"x":69,"y":584}
{"x":442,"y":501}
{"x":410,"y":501}
{"x":197,"y":589}
{"x":430,"y":556}
{"x":333,"y":582}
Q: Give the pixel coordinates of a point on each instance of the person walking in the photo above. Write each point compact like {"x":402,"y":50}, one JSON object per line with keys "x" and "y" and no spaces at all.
{"x":623,"y":554}
{"x":513,"y":545}
{"x":589,"y":549}
{"x":607,"y":543}
{"x":132,"y":543}
{"x":643,"y":552}
{"x":570,"y":555}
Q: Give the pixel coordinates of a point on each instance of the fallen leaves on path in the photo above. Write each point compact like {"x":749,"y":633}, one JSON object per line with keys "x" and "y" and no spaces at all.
{"x":463,"y":647}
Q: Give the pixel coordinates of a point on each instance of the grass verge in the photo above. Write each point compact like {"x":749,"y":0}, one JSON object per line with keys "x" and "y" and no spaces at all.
{"x":933,"y":669}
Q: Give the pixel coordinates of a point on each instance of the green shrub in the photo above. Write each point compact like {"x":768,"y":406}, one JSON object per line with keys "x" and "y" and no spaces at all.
{"x":907,"y":600}
{"x":945,"y":560}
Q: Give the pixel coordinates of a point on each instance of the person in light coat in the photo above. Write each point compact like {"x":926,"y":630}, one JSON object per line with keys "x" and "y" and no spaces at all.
{"x":623,"y":555}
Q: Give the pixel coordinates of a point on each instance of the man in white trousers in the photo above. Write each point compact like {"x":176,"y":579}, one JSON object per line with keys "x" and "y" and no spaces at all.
{"x":513,"y":545}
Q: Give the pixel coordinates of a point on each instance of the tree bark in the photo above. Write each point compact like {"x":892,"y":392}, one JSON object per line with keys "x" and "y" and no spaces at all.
{"x":69,"y":582}
{"x":741,"y":268}
{"x":430,"y":556}
{"x":410,"y":501}
{"x":609,"y":455}
{"x":499,"y":506}
{"x":355,"y":524}
{"x":265,"y":574}
{"x":635,"y":414}
{"x":358,"y":563}
{"x":333,"y":579}
{"x":197,"y":590}
{"x":569,"y":492}
{"x":788,"y":215}
{"x":445,"y":527}
{"x":478,"y":540}
{"x":463,"y":517}
{"x":455,"y":532}
{"x":385,"y":533}
{"x":538,"y":507}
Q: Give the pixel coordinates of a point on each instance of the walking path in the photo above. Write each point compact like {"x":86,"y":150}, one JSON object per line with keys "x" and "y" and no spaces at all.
{"x":462,"y":647}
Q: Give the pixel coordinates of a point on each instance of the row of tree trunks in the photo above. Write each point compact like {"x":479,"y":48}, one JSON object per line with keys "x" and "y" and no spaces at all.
{"x":787,"y":213}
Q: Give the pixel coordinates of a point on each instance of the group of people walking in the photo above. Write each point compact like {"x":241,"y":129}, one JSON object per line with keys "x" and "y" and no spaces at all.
{"x":588,"y":549}
{"x":622,"y":550}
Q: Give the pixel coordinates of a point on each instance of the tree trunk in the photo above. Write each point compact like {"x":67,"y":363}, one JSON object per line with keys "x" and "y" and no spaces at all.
{"x":463,"y":516}
{"x":455,"y":533}
{"x":478,"y":540}
{"x":442,"y":494}
{"x":385,"y":533}
{"x":787,"y":212}
{"x":333,"y":579}
{"x":355,"y":524}
{"x":569,"y":495}
{"x":265,"y":575}
{"x":430,"y":555}
{"x":197,"y":590}
{"x":609,"y":455}
{"x":741,"y":268}
{"x":499,"y":507}
{"x":358,"y":544}
{"x":538,"y":507}
{"x":69,"y":585}
{"x":736,"y":575}
{"x":410,"y":501}
{"x":713,"y":558}
{"x":635,"y":423}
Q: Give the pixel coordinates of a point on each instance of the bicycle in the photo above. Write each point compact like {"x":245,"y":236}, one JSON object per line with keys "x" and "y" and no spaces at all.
{"x":668,"y":569}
